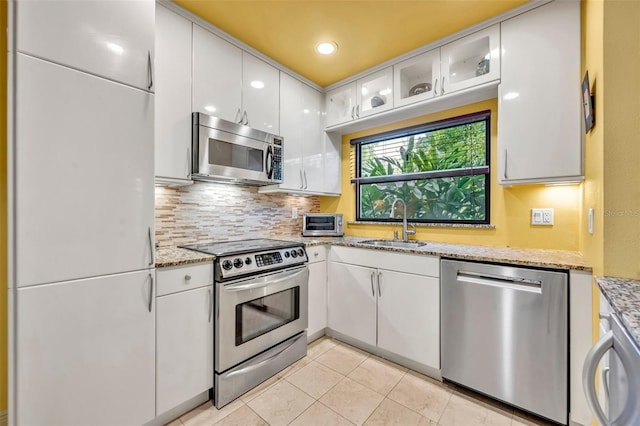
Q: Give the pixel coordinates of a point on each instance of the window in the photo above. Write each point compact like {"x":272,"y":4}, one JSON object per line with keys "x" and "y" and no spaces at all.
{"x":440,"y":170}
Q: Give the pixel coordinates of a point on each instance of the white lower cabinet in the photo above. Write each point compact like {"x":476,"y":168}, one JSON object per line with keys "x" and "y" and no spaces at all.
{"x":184,"y":333}
{"x":317,"y":291}
{"x":409,"y":316}
{"x":352,"y":301}
{"x":387,"y":300}
{"x":86,"y":351}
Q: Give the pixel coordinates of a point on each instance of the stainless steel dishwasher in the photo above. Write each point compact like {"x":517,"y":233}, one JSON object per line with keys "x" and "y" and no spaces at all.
{"x":505,"y":334}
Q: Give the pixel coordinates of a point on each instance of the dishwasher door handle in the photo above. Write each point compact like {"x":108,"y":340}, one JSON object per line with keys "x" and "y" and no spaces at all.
{"x":501,"y":281}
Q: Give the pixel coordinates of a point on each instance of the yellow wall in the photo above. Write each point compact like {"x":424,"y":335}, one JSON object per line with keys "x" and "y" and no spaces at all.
{"x":3,"y":206}
{"x":591,"y":246}
{"x":510,"y":207}
{"x":621,"y":139}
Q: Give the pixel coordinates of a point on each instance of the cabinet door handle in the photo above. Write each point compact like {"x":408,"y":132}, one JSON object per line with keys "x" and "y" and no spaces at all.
{"x":188,"y":171}
{"x":210,"y":305}
{"x":505,"y":164}
{"x":238,"y":118}
{"x":353,"y":113}
{"x":379,"y":292}
{"x":372,"y":289}
{"x":435,"y":88}
{"x":301,"y":180}
{"x":305,"y":179}
{"x":187,"y":277}
{"x":149,"y":70}
{"x":151,"y":248}
{"x":358,"y":111}
{"x":442,"y":88}
{"x":245,"y":119}
{"x":150,"y":293}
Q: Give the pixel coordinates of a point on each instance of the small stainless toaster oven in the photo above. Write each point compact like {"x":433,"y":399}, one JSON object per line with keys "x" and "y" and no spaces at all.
{"x":322,"y":225}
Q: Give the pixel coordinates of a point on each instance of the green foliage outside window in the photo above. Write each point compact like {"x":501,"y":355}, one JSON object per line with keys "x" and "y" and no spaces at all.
{"x":442,"y":174}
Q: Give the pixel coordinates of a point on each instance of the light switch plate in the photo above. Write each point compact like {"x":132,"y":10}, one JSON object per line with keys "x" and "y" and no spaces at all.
{"x":542,"y":217}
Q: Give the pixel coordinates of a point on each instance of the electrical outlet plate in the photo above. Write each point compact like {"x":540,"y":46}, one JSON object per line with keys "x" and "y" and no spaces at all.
{"x":542,"y":217}
{"x":294,"y":213}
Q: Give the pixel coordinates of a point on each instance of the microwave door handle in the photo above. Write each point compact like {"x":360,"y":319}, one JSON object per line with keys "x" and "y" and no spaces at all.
{"x":269,"y":162}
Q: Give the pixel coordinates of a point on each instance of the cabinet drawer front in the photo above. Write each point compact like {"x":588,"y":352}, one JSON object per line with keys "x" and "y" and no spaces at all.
{"x":410,"y":263}
{"x":317,"y":254}
{"x":180,"y":278}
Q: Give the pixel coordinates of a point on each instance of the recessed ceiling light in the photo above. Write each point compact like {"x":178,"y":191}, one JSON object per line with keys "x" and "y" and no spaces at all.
{"x":327,"y":48}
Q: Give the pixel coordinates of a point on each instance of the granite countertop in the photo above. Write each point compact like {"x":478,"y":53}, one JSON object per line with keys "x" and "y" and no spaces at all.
{"x":174,"y":256}
{"x":624,"y":297}
{"x":541,"y":258}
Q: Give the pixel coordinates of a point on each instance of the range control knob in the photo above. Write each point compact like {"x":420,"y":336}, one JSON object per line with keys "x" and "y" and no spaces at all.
{"x":238,"y":263}
{"x":294,"y":254}
{"x":300,"y":252}
{"x":247,"y":261}
{"x":286,"y":254}
{"x":226,"y":265}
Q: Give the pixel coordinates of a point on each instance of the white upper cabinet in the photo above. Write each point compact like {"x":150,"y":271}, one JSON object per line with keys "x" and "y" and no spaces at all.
{"x":232,"y":84}
{"x":341,"y":104}
{"x":172,"y":96}
{"x":260,"y":94}
{"x":84,"y":175}
{"x":375,"y":93}
{"x":416,"y":79}
{"x":111,"y":39}
{"x":313,"y":158}
{"x":306,"y":153}
{"x":217,"y":76}
{"x":291,"y":101}
{"x":366,"y":96}
{"x":539,"y":104}
{"x":420,"y":81}
{"x":300,"y":117}
{"x":470,"y":61}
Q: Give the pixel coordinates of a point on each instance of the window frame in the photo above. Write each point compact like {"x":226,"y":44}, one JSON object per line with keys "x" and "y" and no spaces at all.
{"x":418,"y":129}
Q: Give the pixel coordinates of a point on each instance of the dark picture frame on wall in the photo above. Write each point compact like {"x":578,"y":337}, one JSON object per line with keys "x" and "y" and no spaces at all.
{"x":587,"y":103}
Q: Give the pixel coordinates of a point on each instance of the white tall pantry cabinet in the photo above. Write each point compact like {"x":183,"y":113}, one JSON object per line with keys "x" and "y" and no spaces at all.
{"x":82,"y":277}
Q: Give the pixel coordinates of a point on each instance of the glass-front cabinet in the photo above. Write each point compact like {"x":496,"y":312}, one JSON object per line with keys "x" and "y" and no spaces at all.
{"x":470,"y":61}
{"x":341,"y":104}
{"x":375,"y":93}
{"x":416,"y":79}
{"x":366,"y":96}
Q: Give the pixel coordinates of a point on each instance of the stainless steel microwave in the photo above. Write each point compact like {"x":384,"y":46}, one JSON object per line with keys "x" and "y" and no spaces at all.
{"x":322,"y":225}
{"x":224,"y":151}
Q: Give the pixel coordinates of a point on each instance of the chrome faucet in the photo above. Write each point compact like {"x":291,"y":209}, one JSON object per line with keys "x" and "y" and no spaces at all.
{"x":405,"y":231}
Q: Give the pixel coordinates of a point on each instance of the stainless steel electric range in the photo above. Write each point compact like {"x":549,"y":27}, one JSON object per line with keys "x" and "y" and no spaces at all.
{"x":261,"y":309}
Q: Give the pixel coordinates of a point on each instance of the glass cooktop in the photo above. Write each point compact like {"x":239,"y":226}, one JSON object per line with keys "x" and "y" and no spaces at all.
{"x":225,"y":248}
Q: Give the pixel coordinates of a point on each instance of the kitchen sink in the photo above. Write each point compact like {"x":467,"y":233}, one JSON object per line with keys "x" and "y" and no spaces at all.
{"x":393,"y":243}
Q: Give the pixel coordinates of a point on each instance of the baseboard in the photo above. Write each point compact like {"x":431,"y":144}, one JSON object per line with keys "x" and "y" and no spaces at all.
{"x":4,"y":418}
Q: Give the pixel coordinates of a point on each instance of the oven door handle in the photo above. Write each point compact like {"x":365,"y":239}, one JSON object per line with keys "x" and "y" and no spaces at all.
{"x":264,"y":282}
{"x":262,"y":363}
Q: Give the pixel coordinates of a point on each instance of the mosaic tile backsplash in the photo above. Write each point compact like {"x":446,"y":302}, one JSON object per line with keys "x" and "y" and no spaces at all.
{"x":209,"y":211}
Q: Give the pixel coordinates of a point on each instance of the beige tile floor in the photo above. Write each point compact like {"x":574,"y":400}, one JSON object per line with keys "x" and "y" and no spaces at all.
{"x":337,"y":384}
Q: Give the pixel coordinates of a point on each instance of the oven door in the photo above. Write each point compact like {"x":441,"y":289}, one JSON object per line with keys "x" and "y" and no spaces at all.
{"x":225,"y":156}
{"x":257,"y":313}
